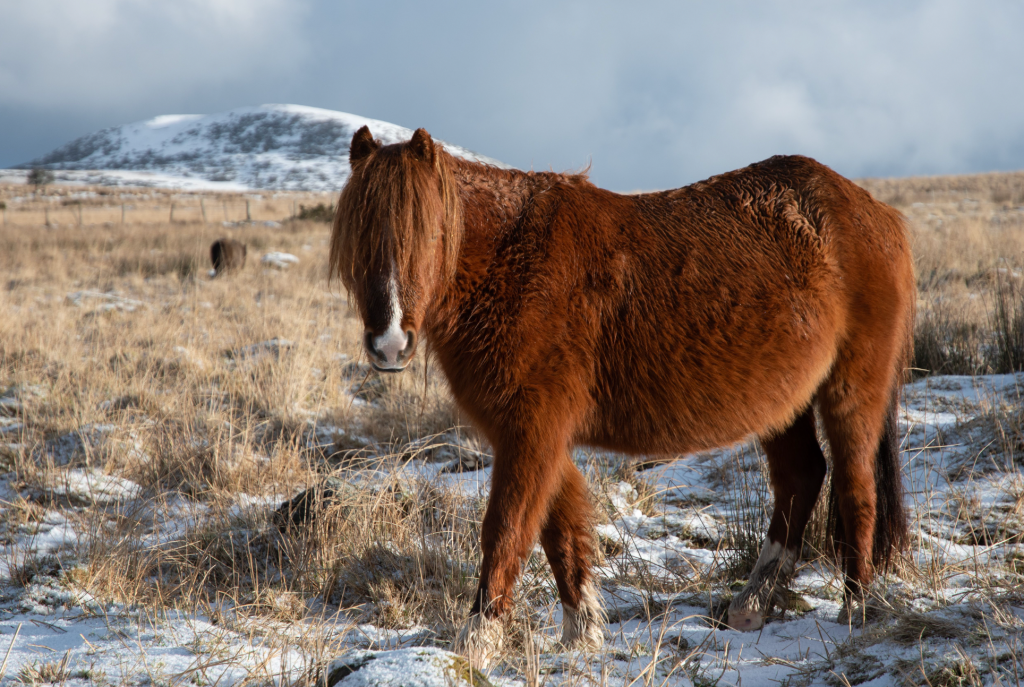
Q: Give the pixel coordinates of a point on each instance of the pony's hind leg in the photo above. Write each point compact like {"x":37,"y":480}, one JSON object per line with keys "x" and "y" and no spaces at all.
{"x":524,"y":481}
{"x":797,"y":468}
{"x":567,"y":538}
{"x":868,"y":519}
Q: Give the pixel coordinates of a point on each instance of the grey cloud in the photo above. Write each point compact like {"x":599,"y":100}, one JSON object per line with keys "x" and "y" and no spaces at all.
{"x":103,"y":54}
{"x":654,"y":94}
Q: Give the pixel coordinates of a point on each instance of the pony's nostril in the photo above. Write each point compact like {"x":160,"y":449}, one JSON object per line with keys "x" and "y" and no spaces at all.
{"x":369,"y":345}
{"x":410,"y":345}
{"x":410,"y":342}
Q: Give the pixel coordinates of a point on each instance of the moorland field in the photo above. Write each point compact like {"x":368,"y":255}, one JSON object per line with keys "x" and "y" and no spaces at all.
{"x":153,"y":418}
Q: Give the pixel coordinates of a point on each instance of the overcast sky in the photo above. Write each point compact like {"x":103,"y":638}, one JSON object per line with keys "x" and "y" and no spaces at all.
{"x":653,"y":94}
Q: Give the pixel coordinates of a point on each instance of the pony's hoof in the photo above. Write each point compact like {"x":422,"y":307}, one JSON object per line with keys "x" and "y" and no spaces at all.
{"x":746,"y":620}
{"x":480,"y":640}
{"x":590,"y":640}
{"x":766,"y":588}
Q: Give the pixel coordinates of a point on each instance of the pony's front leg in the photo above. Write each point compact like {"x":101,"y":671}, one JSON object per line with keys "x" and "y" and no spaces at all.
{"x":525,"y":479}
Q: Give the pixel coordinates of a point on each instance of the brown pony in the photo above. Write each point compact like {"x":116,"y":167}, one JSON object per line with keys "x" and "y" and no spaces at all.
{"x":661,"y":323}
{"x":227,"y":255}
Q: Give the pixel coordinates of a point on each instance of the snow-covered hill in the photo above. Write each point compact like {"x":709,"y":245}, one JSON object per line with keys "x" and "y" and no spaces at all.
{"x":270,"y":146}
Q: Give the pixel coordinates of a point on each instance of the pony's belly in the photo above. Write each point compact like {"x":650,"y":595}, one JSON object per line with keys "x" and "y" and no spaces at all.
{"x":687,"y":426}
{"x":693,"y":408}
{"x":667,"y":432}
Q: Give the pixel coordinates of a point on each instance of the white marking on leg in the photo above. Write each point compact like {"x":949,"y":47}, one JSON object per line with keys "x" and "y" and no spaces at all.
{"x":773,"y":551}
{"x":583,"y":627}
{"x":393,"y":341}
{"x":772,"y":571}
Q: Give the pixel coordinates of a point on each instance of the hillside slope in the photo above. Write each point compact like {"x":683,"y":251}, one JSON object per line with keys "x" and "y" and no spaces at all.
{"x":288,"y":147}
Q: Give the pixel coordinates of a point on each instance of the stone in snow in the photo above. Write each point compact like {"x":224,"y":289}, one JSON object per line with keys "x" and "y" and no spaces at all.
{"x":417,"y":667}
{"x":313,"y":503}
{"x":279,"y":260}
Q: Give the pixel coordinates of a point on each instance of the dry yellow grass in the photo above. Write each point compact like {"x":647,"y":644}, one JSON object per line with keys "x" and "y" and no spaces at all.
{"x":120,"y":326}
{"x":1005,"y":189}
{"x":965,"y":228}
{"x":119,"y":330}
{"x":968,"y":242}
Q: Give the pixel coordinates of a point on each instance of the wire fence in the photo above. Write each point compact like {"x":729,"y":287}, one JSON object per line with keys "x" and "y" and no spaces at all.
{"x":207,"y":211}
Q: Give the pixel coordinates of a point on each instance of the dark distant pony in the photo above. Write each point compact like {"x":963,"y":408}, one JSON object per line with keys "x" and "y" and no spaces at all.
{"x":227,"y":255}
{"x":660,"y":323}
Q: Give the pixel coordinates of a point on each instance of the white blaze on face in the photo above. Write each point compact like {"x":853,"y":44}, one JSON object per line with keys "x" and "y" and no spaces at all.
{"x":393,"y":341}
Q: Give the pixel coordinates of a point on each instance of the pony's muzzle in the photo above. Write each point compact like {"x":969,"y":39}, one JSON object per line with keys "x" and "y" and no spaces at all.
{"x":392,"y":351}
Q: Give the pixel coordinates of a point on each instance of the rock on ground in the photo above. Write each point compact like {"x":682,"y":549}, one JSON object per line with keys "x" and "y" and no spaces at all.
{"x":419,"y":667}
{"x":279,"y":260}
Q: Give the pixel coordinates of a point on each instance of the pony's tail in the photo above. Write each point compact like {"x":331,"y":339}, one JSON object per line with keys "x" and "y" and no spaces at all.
{"x":891,"y":531}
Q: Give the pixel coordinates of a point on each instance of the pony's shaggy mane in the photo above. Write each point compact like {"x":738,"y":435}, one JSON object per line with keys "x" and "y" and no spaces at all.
{"x":399,"y":201}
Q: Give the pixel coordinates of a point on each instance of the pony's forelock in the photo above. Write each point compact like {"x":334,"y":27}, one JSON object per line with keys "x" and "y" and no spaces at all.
{"x":398,"y":205}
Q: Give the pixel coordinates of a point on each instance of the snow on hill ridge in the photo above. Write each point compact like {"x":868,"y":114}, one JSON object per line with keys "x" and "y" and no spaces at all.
{"x":289,"y":147}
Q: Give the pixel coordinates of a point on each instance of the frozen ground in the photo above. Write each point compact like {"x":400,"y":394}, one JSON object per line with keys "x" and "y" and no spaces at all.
{"x":954,"y":618}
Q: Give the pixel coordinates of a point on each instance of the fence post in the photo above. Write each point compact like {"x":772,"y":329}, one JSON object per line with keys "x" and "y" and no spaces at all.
{"x":248,"y":215}
{"x":202,"y":206}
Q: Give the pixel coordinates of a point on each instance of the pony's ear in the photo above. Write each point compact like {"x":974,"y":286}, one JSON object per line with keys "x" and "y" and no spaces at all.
{"x":362,"y":145}
{"x":421,"y":145}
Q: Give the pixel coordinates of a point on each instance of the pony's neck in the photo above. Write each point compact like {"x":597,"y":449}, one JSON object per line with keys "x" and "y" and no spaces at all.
{"x":495,"y":200}
{"x":493,"y":204}
{"x":492,"y":198}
